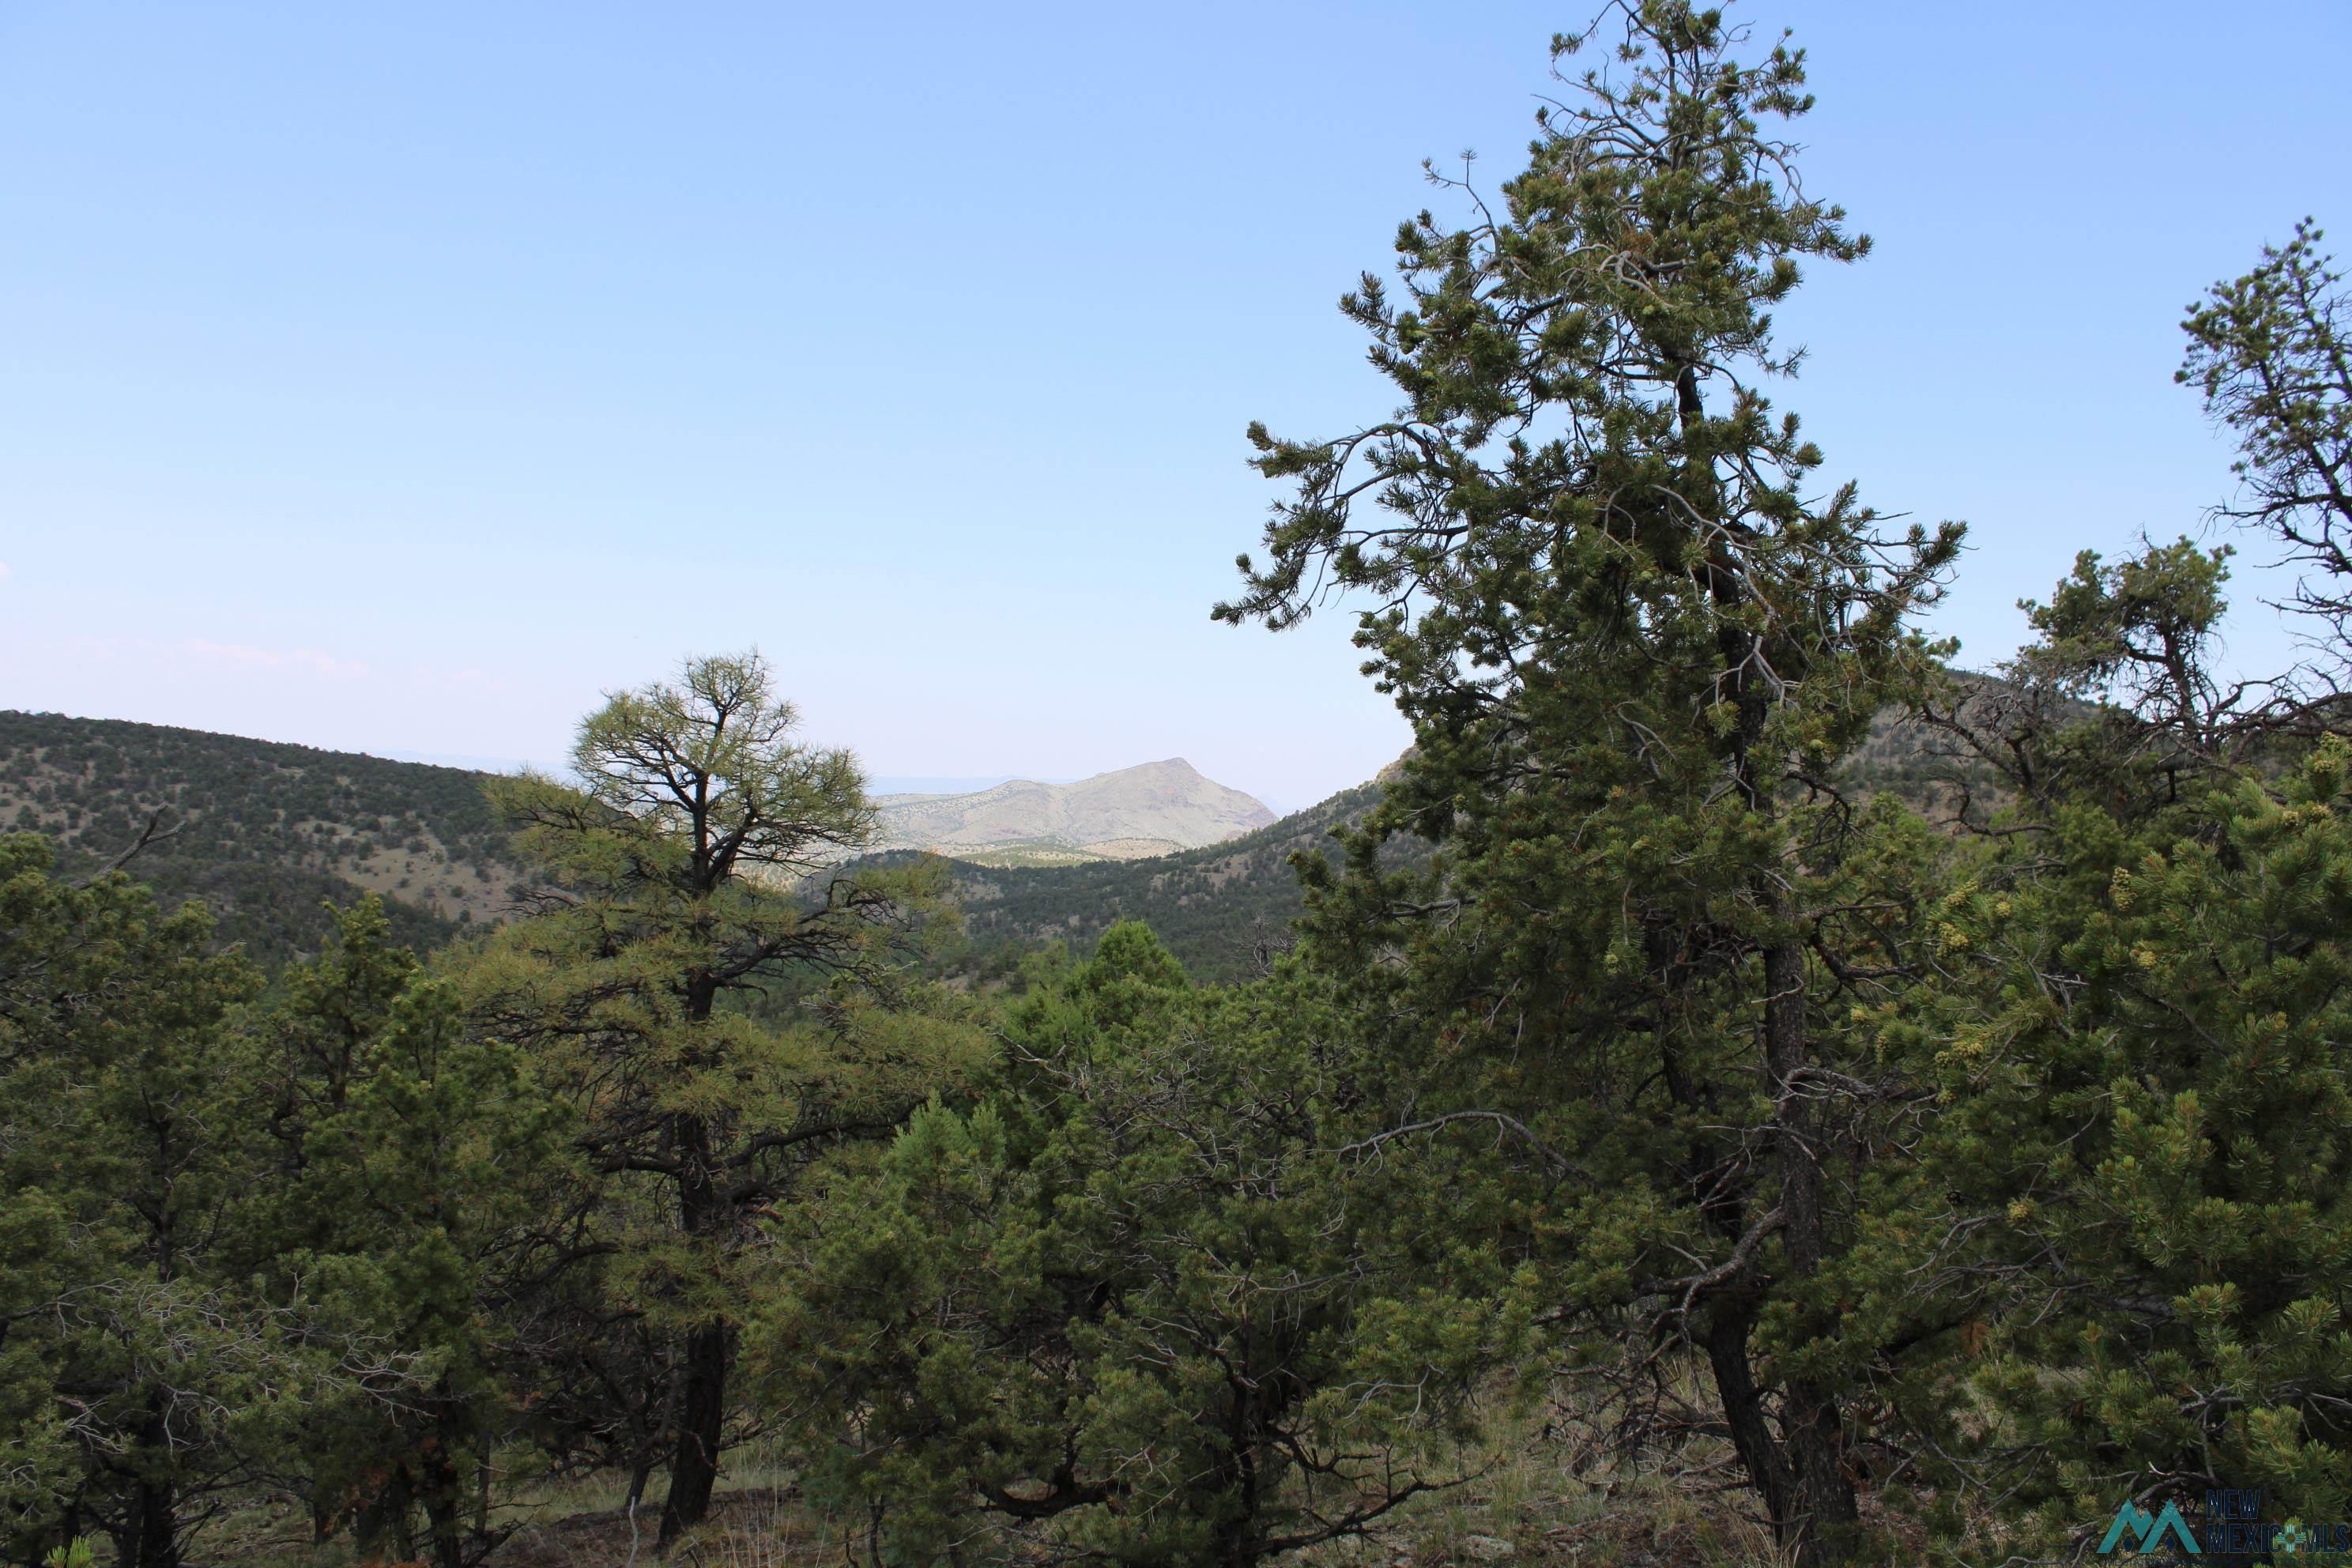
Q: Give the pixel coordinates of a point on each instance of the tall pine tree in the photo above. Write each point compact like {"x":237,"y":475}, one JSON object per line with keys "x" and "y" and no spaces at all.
{"x":1633,"y":637}
{"x":693,"y":869}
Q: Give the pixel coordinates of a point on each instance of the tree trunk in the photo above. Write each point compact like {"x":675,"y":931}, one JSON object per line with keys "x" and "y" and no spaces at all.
{"x":439,"y":1487}
{"x":1238,"y":1536}
{"x":384,"y":1517}
{"x":442,"y":1509}
{"x":700,"y":1404}
{"x":154,"y":1500}
{"x":1781,"y":1467}
{"x":1729,"y":1321}
{"x":484,"y":1473}
{"x":701,"y":1414}
{"x":158,"y":1526}
{"x":1811,"y":1426}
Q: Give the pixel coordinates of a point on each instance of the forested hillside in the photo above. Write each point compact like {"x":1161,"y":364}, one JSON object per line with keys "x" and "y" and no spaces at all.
{"x":1223,"y":908}
{"x":264,"y":833}
{"x":1219,"y":909}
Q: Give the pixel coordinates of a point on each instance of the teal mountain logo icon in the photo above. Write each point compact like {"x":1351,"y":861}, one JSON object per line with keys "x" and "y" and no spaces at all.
{"x":2148,"y":1530}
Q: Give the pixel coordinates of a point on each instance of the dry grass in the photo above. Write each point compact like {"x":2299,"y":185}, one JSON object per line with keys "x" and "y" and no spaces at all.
{"x":1550,"y":1492}
{"x":1546,"y":1493}
{"x":750,"y":1527}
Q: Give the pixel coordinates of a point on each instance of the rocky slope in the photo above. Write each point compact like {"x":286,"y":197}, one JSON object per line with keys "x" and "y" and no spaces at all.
{"x":1157,"y":808}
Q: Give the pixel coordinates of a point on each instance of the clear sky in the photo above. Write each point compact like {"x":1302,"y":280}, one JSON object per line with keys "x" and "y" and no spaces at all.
{"x":397,"y":377}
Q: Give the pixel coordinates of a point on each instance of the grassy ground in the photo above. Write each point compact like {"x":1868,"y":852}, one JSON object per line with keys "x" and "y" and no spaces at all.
{"x":1519,"y":1514}
{"x":561,"y":1523}
{"x":1544,"y":1495}
{"x":1522,"y":1510}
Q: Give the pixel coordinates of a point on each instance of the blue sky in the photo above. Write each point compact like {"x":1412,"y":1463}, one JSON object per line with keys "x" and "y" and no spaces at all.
{"x":398,"y":377}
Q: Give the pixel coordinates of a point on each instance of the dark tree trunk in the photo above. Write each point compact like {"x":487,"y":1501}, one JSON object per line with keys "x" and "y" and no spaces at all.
{"x":384,"y":1519}
{"x":441,"y":1488}
{"x":1785,"y":1466}
{"x":1818,"y":1530}
{"x":483,"y":1474}
{"x":1811,"y":1426}
{"x":1729,"y":1323}
{"x":154,"y":1533}
{"x":157,"y":1529}
{"x":442,"y":1509}
{"x":1239,"y":1536}
{"x":700,"y":1403}
{"x":701,"y":1415}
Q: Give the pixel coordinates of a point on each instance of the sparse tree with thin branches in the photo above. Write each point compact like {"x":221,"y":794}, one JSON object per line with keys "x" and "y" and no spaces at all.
{"x":2271,"y":352}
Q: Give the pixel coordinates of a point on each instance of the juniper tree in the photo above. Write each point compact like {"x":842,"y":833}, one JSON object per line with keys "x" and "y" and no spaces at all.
{"x":141,"y":1380}
{"x":695,"y":866}
{"x":1149,"y":1299}
{"x":2122,"y":1234}
{"x":2118,"y":1255}
{"x":404,"y":1225}
{"x":1594,"y":568}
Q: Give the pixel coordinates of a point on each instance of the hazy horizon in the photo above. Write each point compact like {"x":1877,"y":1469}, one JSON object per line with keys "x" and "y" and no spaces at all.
{"x":878,"y":785}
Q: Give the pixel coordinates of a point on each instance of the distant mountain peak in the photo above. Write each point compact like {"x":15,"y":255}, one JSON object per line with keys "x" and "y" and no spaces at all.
{"x":1151,"y":808}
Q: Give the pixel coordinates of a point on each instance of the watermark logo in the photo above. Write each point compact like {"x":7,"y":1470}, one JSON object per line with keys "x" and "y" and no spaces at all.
{"x":2232,"y":1525}
{"x":2149,"y":1531}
